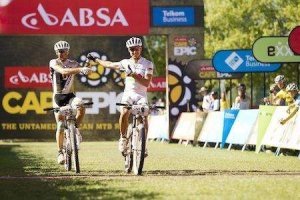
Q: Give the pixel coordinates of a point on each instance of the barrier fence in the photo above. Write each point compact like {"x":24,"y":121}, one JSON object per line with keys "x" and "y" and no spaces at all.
{"x":242,"y":127}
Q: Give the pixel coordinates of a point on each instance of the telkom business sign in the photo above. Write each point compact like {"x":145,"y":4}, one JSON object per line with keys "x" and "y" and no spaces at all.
{"x":74,"y":17}
{"x":242,"y":60}
{"x":176,"y":16}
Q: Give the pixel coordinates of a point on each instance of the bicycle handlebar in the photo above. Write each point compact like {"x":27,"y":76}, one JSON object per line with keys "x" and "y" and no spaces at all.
{"x":57,"y":108}
{"x":151,"y":106}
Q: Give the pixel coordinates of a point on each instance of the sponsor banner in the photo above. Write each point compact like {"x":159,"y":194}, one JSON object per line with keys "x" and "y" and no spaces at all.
{"x":78,"y":17}
{"x":276,"y":133}
{"x":254,"y":133}
{"x":292,"y":136}
{"x":185,"y":126}
{"x":27,"y":77}
{"x":14,"y":102}
{"x":264,"y":117}
{"x":213,"y":127}
{"x":274,"y":50}
{"x":243,"y":127}
{"x":203,"y":69}
{"x":157,"y":84}
{"x":240,"y":60}
{"x":185,"y":46}
{"x":23,"y":115}
{"x":229,"y":119}
{"x":294,"y":40}
{"x":158,"y":127}
{"x":173,"y":16}
{"x":200,"y":119}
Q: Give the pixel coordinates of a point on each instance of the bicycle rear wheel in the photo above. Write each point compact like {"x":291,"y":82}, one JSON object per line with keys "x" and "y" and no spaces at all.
{"x":139,"y":138}
{"x":128,"y":155}
{"x":74,"y":147}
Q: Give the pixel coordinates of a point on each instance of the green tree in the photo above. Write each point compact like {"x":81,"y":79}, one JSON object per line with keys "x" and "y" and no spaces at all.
{"x":156,"y":52}
{"x":236,"y":24}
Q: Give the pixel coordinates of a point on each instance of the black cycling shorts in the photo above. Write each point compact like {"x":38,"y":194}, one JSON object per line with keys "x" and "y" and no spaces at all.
{"x":63,"y":99}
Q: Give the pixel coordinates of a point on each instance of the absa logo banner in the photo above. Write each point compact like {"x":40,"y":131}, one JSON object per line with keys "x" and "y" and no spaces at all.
{"x":27,"y":77}
{"x":75,"y":17}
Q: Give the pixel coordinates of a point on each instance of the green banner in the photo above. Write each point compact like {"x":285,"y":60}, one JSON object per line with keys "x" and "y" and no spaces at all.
{"x":274,"y":50}
{"x":264,"y":118}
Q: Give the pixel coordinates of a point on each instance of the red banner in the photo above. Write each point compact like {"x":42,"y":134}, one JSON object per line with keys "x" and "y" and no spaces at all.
{"x":115,"y":17}
{"x":27,"y":77}
{"x":158,"y":84}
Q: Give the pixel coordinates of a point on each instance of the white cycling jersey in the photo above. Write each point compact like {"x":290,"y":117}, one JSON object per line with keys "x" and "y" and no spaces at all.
{"x":62,"y":84}
{"x":142,"y":67}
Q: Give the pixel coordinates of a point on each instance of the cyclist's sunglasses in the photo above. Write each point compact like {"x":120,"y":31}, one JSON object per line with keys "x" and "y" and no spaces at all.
{"x":132,"y":49}
{"x":62,"y":50}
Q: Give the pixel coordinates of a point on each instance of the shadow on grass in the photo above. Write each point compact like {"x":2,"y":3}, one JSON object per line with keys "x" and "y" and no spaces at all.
{"x":9,"y":162}
{"x":20,"y":179}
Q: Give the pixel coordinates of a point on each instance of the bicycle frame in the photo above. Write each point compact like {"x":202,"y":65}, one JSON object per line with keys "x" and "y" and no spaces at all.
{"x":136,"y":136}
{"x":70,"y":142}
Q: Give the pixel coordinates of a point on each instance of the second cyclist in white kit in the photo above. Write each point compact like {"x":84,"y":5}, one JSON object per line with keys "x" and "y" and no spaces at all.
{"x":139,"y":72}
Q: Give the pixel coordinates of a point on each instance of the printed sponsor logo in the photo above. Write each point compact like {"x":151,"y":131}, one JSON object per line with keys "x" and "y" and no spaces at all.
{"x":173,"y":16}
{"x":87,"y":17}
{"x":234,"y":61}
{"x":27,"y":77}
{"x":229,"y":115}
{"x":14,"y":102}
{"x":274,"y":49}
{"x":203,"y":69}
{"x":240,"y":60}
{"x":58,"y":17}
{"x":157,"y":84}
{"x":185,"y":46}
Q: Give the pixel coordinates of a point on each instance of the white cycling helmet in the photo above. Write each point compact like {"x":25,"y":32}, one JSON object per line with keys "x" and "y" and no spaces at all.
{"x":279,"y":78}
{"x":133,"y":42}
{"x":292,"y":87}
{"x":61,"y":45}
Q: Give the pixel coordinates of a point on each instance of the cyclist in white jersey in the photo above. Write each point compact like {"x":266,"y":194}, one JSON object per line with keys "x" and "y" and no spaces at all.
{"x":62,"y":72}
{"x":139,"y":73}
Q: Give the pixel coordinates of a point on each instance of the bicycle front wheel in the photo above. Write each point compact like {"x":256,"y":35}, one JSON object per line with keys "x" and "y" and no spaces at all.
{"x":74,"y":147}
{"x":139,"y":138}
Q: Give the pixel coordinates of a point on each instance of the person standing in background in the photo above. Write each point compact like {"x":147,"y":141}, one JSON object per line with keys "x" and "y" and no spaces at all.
{"x":223,"y":101}
{"x":206,"y":102}
{"x":242,"y":101}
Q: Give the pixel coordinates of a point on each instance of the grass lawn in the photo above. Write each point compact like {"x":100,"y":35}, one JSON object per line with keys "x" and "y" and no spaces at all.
{"x":172,"y":171}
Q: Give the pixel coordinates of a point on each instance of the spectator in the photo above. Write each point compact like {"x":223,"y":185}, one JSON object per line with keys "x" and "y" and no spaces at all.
{"x":293,"y":91}
{"x":206,"y":102}
{"x":215,"y":102}
{"x":161,"y":102}
{"x":242,"y":101}
{"x":274,"y":89}
{"x":154,"y":102}
{"x":280,"y":98}
{"x":223,"y":102}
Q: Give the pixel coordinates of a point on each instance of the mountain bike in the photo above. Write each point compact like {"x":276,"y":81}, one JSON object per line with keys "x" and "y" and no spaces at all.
{"x":136,"y":136}
{"x":71,"y":142}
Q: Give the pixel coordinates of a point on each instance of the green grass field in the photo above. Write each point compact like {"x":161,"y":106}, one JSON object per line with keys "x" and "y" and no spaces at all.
{"x":172,"y":171}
